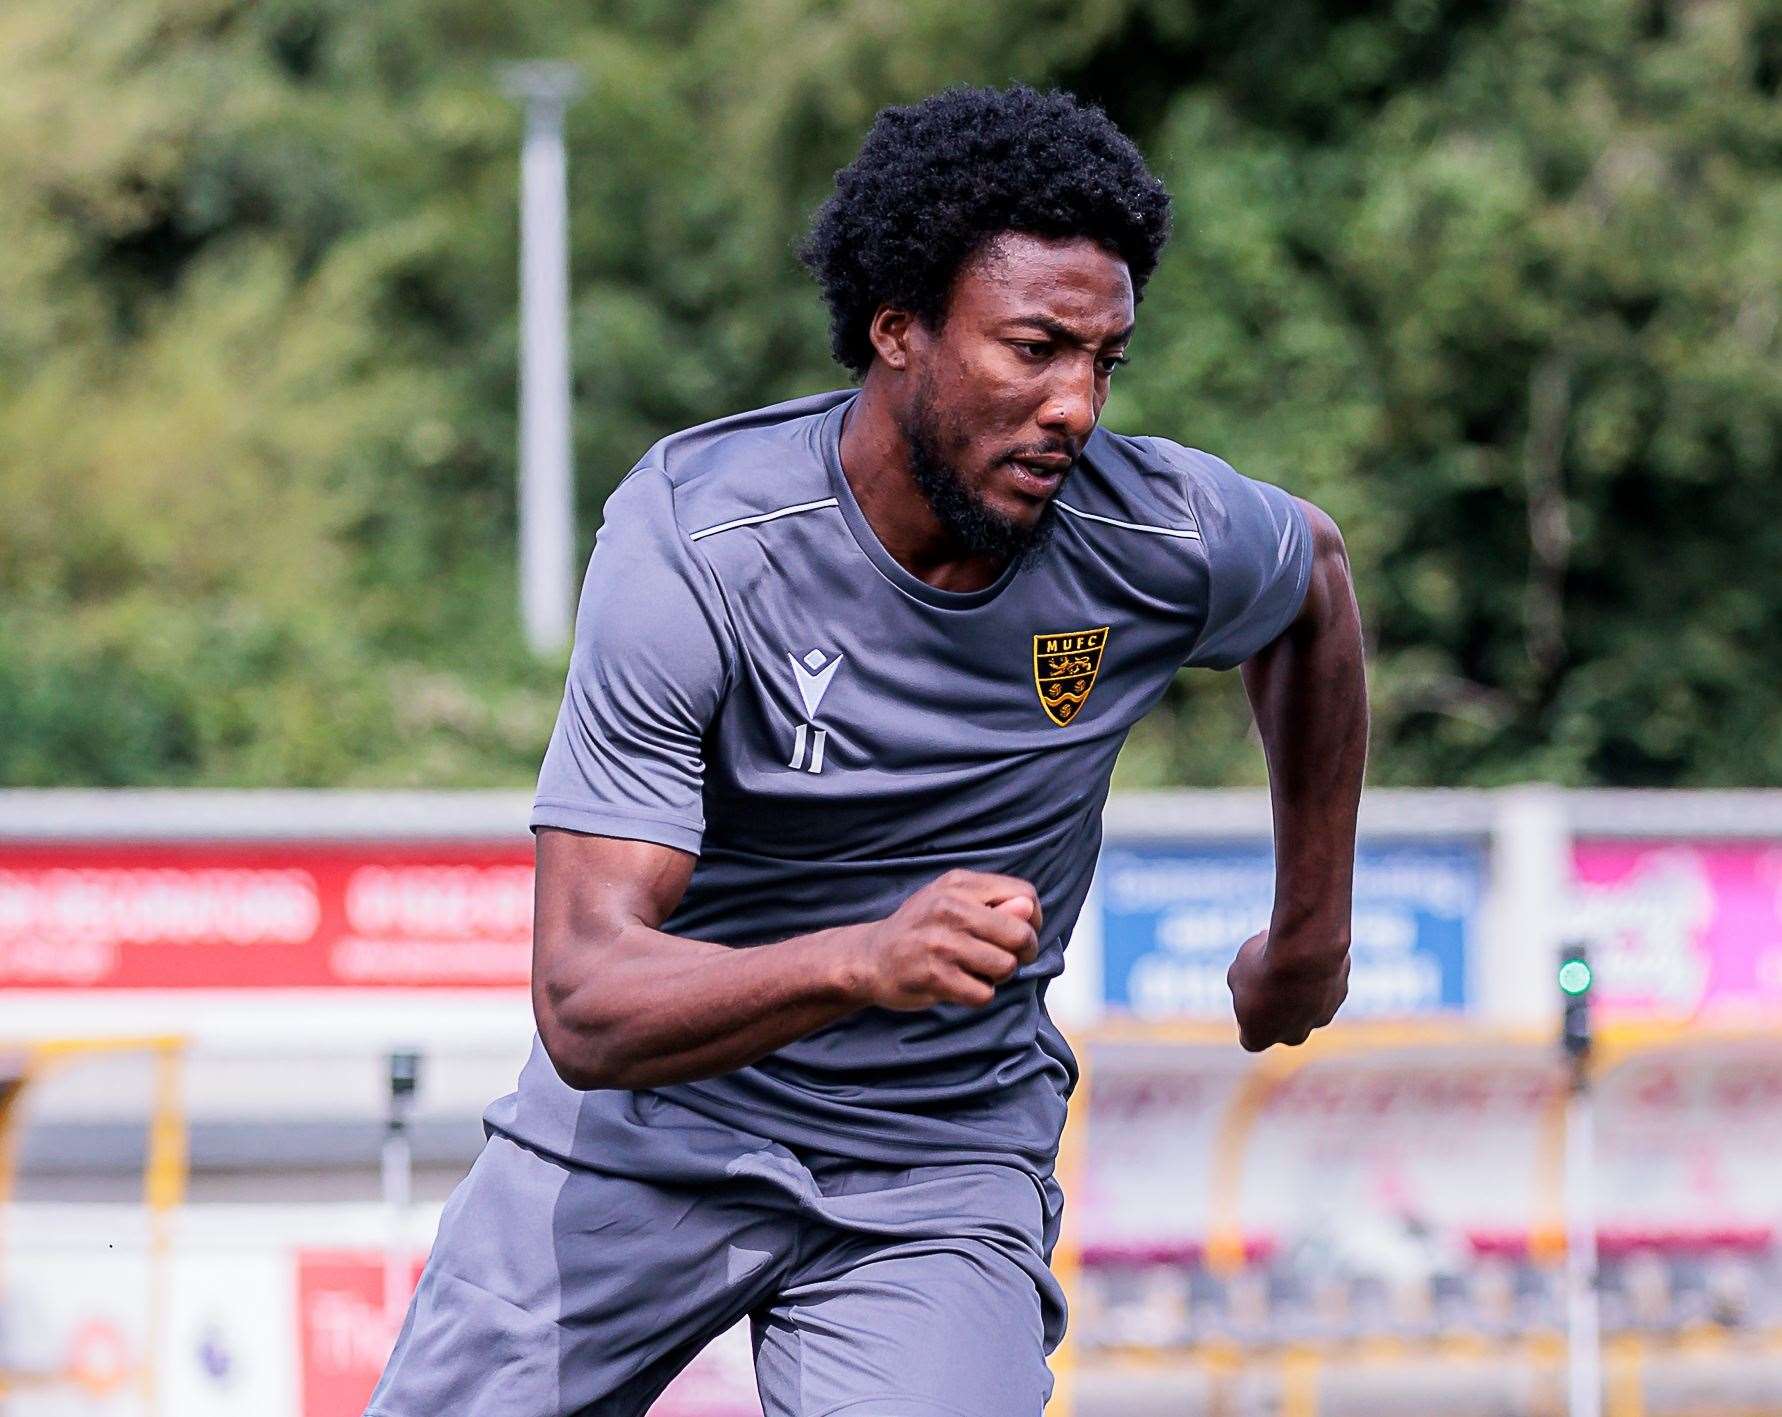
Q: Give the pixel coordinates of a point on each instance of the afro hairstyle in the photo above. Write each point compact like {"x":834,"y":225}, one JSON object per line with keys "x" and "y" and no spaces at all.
{"x":937,"y":181}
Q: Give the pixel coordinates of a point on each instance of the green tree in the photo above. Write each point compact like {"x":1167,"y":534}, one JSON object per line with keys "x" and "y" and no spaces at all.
{"x":1496,"y":284}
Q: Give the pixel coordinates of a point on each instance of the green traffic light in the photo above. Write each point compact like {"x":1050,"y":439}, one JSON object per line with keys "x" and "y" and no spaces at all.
{"x":1574,"y":977}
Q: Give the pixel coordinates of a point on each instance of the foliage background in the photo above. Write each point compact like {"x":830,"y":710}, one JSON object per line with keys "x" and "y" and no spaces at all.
{"x":1496,"y":283}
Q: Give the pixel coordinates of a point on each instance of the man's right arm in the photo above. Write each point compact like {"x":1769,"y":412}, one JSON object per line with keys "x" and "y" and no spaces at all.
{"x":621,"y":1003}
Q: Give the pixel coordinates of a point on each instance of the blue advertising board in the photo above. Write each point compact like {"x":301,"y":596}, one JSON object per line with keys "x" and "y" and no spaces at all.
{"x":1174,"y":913}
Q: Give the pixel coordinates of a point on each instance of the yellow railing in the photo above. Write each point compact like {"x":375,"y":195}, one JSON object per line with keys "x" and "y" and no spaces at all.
{"x":163,"y":1176}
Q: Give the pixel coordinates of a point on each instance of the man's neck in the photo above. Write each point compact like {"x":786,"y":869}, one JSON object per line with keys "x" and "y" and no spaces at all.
{"x":875,"y":460}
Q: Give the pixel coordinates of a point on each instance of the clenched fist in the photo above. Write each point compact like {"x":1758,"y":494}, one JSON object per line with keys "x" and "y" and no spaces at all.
{"x":952,"y":942}
{"x":1281,"y":998}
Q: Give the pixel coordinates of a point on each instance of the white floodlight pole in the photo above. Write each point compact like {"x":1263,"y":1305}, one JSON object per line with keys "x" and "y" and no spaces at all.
{"x":547,"y":475}
{"x":1583,"y":1302}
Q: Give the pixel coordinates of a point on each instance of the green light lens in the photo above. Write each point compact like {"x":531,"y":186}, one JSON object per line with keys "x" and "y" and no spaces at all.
{"x":1574,"y":977}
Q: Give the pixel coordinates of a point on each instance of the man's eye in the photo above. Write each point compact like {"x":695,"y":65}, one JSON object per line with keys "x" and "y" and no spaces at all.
{"x":1033,"y":349}
{"x":1108,"y":363}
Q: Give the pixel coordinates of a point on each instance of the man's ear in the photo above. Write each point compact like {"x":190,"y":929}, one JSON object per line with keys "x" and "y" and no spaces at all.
{"x":891,"y":331}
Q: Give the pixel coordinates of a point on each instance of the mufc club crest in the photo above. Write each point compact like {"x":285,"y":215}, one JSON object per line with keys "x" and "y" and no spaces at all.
{"x":1065,"y":664}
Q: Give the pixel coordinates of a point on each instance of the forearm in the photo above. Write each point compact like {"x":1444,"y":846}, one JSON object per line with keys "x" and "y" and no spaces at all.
{"x":660,"y":1009}
{"x":1309,"y":694}
{"x":620,"y":1002}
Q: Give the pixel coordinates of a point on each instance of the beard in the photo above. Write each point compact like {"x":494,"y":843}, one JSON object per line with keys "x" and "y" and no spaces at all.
{"x":978,"y":528}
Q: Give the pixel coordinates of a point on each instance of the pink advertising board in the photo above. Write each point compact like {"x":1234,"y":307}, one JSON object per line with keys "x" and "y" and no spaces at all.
{"x":1682,"y":929}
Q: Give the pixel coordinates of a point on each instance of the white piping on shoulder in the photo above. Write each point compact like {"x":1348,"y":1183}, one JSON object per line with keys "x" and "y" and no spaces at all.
{"x":761,"y":517}
{"x":1183,"y":534}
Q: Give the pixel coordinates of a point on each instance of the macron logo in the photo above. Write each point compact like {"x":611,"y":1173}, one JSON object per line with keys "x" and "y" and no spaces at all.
{"x":813,"y":675}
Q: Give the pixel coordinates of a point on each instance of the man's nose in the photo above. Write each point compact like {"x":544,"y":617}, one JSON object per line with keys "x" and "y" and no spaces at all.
{"x":1069,"y":409}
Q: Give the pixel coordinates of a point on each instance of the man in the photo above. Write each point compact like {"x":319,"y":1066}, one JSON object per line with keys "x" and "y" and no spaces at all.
{"x":823,"y":803}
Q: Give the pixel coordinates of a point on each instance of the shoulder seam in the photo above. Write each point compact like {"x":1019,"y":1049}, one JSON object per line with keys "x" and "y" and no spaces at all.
{"x":733,"y":650}
{"x":1184,"y":475}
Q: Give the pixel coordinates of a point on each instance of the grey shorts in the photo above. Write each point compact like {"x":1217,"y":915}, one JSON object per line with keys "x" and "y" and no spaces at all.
{"x":870,"y":1290}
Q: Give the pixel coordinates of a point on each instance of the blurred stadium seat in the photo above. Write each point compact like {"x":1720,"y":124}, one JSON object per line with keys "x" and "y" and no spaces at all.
{"x":1372,"y":1224}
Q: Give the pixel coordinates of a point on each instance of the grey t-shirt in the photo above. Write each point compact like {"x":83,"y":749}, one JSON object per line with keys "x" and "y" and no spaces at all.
{"x":756,"y":680}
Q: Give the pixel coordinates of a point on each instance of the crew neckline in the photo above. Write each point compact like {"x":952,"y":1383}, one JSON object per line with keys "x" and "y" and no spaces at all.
{"x":883,"y":561}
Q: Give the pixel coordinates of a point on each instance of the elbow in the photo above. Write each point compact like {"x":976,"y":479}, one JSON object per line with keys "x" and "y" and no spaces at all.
{"x":577,"y":1075}
{"x":581,"y":1050}
{"x":580,"y":1066}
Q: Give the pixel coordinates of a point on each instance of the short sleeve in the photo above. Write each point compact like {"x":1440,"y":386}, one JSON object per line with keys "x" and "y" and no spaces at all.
{"x":1259,"y":558}
{"x":648,"y":672}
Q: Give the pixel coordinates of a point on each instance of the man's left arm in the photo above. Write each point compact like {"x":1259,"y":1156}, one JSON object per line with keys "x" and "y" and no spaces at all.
{"x":1308,"y":690}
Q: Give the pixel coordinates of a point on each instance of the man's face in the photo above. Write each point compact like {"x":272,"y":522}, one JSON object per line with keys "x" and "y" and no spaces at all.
{"x":1007,"y":391}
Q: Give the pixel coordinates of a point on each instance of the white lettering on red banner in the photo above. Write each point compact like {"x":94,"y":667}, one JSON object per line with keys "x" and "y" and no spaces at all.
{"x":296,"y":916}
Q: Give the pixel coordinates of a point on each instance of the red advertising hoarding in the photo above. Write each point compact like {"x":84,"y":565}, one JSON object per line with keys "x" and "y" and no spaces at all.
{"x":286,"y":916}
{"x":345,"y":1327}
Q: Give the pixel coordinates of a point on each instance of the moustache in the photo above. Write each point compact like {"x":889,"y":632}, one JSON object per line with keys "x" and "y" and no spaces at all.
{"x":1042,"y":450}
